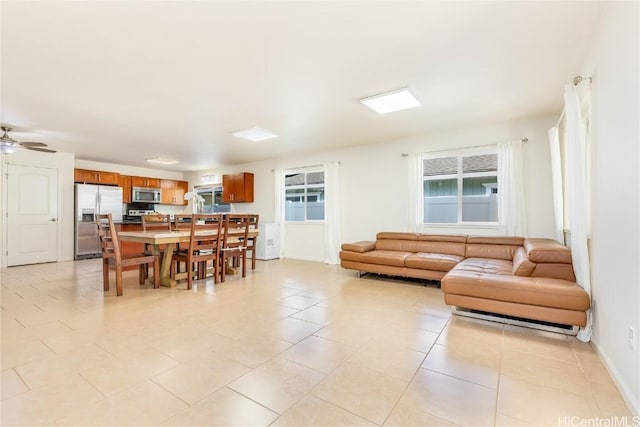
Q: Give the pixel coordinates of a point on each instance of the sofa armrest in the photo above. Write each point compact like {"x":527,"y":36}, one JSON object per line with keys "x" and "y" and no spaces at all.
{"x":364,"y":246}
{"x":547,"y":251}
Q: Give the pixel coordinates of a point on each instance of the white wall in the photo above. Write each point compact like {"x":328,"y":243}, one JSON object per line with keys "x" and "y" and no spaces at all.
{"x":373,"y":183}
{"x":63,"y":162}
{"x":615,"y":232}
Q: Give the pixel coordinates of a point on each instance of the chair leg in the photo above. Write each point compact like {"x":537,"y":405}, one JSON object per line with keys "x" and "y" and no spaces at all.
{"x":243,"y":259}
{"x":142,"y":273}
{"x":118,"y":280}
{"x":253,"y":253}
{"x":156,"y":273}
{"x":223,"y":268}
{"x":105,"y":274}
{"x":189,"y":274}
{"x":201,"y":270}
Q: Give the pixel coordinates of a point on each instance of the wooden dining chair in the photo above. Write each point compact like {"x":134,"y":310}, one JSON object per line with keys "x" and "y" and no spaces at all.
{"x":234,"y":243}
{"x":155,"y":222}
{"x":204,"y":246}
{"x":112,"y":258}
{"x":180,"y":222}
{"x":253,"y":240}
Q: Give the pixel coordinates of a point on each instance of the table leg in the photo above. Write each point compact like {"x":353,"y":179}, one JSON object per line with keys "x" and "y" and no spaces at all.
{"x":165,"y":264}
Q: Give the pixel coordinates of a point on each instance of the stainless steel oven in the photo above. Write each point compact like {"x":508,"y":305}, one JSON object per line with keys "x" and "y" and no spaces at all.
{"x":146,"y":195}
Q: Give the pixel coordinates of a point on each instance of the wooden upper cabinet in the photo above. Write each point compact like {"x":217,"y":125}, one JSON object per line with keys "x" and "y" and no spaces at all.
{"x":95,"y":177}
{"x":142,"y":181}
{"x":125,"y":183}
{"x":182,"y":188}
{"x":237,"y":188}
{"x":173,"y":192}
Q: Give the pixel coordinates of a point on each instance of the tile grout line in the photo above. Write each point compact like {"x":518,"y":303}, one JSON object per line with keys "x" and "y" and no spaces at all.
{"x":446,"y":325}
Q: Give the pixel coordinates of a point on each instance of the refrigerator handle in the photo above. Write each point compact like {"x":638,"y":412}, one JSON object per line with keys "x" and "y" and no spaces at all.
{"x":98,"y":197}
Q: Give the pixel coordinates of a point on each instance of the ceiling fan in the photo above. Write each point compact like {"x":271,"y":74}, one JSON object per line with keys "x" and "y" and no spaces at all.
{"x":9,"y":145}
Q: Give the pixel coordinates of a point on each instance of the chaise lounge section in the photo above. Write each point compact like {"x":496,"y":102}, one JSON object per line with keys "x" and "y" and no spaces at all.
{"x":513,"y":276}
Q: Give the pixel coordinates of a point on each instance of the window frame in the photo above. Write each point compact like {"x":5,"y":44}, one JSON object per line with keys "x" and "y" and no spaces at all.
{"x":306,"y":187}
{"x":459,"y":176}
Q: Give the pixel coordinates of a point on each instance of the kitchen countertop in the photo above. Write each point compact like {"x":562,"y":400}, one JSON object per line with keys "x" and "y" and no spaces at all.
{"x":131,"y":221}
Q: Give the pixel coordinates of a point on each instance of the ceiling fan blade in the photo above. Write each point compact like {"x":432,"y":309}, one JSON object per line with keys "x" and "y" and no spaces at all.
{"x":33,"y":144}
{"x":44,"y":150}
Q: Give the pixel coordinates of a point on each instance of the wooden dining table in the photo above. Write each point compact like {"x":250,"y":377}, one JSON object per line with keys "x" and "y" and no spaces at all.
{"x":170,"y":239}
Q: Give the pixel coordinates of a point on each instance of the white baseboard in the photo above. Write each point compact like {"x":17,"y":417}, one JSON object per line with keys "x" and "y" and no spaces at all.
{"x":632,"y":402}
{"x":624,"y":390}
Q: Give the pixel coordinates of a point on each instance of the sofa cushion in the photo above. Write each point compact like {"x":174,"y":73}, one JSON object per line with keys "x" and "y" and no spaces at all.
{"x":547,"y":251}
{"x":363,"y":246}
{"x":431,"y":243}
{"x":555,"y":293}
{"x":457,"y":238}
{"x":441,"y":247}
{"x":496,"y":240}
{"x":380,"y":257}
{"x":480,"y":250}
{"x":397,"y":245}
{"x":431,"y":261}
{"x":521,"y":264}
{"x":485,"y":266}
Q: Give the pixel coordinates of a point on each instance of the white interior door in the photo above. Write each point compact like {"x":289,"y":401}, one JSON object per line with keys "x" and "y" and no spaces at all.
{"x":32,"y":207}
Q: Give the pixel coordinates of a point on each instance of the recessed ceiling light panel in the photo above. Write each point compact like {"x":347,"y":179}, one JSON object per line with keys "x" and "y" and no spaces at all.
{"x":254,"y":134}
{"x":400,"y":99}
{"x":163,"y":161}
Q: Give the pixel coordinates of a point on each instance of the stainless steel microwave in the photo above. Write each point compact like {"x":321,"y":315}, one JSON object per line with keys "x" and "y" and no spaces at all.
{"x":146,"y":195}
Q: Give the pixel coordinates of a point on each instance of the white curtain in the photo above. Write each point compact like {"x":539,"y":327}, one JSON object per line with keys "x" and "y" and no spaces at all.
{"x":415,"y":218}
{"x":577,"y":206}
{"x":511,"y":202}
{"x":556,"y":181}
{"x":278,"y":214}
{"x":332,"y":239}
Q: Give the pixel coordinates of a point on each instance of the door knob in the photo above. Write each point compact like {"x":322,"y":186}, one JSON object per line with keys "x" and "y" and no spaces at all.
{"x":52,"y":220}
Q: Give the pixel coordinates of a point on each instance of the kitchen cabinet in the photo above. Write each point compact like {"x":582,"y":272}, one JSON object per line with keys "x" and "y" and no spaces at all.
{"x":125,"y":183}
{"x":87,"y":176}
{"x":141,"y":181}
{"x":237,"y":188}
{"x":173,"y":192}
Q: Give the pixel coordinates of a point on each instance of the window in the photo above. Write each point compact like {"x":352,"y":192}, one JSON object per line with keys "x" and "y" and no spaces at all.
{"x":460,"y":189}
{"x":212,"y":196}
{"x":304,"y":195}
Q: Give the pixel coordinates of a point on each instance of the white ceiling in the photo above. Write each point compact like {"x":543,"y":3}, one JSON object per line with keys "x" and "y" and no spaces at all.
{"x":120,"y":82}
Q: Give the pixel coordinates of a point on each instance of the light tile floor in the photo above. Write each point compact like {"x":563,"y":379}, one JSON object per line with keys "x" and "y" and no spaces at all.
{"x":294,"y":343}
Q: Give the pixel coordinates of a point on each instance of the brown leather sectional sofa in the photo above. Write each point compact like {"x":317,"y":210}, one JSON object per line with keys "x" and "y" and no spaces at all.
{"x":514,"y":276}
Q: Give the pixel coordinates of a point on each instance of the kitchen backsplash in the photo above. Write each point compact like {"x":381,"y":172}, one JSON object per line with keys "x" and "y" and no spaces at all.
{"x":171,"y":209}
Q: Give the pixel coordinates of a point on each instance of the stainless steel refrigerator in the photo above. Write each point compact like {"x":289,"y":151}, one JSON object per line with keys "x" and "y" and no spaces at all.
{"x":90,"y":201}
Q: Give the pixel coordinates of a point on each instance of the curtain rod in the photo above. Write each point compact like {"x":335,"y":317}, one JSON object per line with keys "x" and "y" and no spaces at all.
{"x":576,"y":81}
{"x":524,"y":141}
